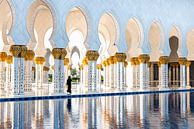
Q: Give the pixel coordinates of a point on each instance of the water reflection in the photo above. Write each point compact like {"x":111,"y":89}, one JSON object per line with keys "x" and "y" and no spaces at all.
{"x":134,"y":111}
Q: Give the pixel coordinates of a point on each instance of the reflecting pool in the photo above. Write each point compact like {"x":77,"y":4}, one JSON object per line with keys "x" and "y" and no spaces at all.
{"x":173,"y":111}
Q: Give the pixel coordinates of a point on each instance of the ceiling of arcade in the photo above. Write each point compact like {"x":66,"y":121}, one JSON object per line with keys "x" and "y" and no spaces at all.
{"x":108,"y":29}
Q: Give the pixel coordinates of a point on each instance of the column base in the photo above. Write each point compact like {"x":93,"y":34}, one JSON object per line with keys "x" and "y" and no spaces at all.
{"x":163,"y":88}
{"x":188,"y":87}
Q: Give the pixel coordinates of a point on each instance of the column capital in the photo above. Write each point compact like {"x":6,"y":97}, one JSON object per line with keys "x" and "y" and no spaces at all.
{"x":92,"y":55}
{"x":66,"y":61}
{"x":159,"y":64}
{"x":144,"y":58}
{"x":182,"y":61}
{"x":9,"y":59}
{"x":81,"y":67}
{"x":121,"y":57}
{"x":39,"y":60}
{"x":45,"y":68}
{"x":188,"y":63}
{"x":59,"y":53}
{"x":85,"y":61}
{"x":163,"y":60}
{"x":125,"y":64}
{"x":99,"y":66}
{"x":29,"y":55}
{"x":134,"y":60}
{"x":18,"y":50}
{"x":111,"y":60}
{"x":149,"y":64}
{"x":3,"y":56}
{"x":33,"y":68}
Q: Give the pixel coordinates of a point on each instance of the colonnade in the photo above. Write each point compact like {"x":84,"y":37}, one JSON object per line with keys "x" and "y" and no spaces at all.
{"x":16,"y":71}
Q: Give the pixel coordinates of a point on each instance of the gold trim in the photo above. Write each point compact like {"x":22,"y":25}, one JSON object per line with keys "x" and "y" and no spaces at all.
{"x":29,"y":55}
{"x":144,"y":58}
{"x":59,"y":53}
{"x":164,"y":60}
{"x":182,"y":61}
{"x":9,"y":59}
{"x":18,"y":50}
{"x":3,"y":56}
{"x":92,"y":55}
{"x":121,"y":57}
{"x":39,"y":60}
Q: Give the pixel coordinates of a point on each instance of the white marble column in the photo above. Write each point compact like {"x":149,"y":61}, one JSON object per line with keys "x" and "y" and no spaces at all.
{"x":134,"y":72}
{"x":177,"y":75}
{"x":164,"y":72}
{"x":169,"y":77}
{"x":81,"y":75}
{"x":3,"y":56}
{"x":66,"y":74}
{"x":33,"y":74}
{"x":125,"y":74}
{"x":188,"y":74}
{"x":28,"y":71}
{"x":159,"y":74}
{"x":149,"y":74}
{"x":17,"y":78}
{"x":9,"y":61}
{"x":59,"y":55}
{"x":121,"y":57}
{"x":144,"y":59}
{"x":92,"y":57}
{"x":137,"y":73}
{"x":173,"y":75}
{"x":182,"y":62}
{"x":45,"y":74}
{"x":99,"y":67}
{"x":85,"y":72}
{"x":111,"y":71}
{"x":39,"y":72}
{"x":115,"y":73}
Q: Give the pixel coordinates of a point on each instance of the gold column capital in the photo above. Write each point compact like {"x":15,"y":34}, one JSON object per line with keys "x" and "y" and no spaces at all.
{"x":85,"y":61}
{"x":144,"y":58}
{"x":159,"y":64}
{"x":125,"y":64}
{"x":33,"y":68}
{"x":121,"y":57}
{"x":111,"y":60}
{"x":59,"y":53}
{"x":18,"y":50}
{"x":39,"y":60}
{"x":188,"y":63}
{"x":164,"y":60}
{"x":3,"y":56}
{"x":99,"y":66}
{"x":66,"y":61}
{"x":45,"y":68}
{"x":182,"y":61}
{"x":149,"y":64}
{"x":134,"y":60}
{"x":29,"y":55}
{"x":9,"y":59}
{"x":92,"y":55}
{"x":81,"y":67}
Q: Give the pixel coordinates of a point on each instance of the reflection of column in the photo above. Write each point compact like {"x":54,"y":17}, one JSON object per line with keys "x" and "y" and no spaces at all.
{"x":3,"y":56}
{"x":144,"y":109}
{"x":18,"y":115}
{"x":121,"y":57}
{"x":9,"y":61}
{"x":183,"y":104}
{"x":66,"y":62}
{"x":188,"y":73}
{"x":92,"y":58}
{"x":90,"y":116}
{"x":18,"y":52}
{"x":182,"y":62}
{"x":58,"y":114}
{"x":163,"y":102}
{"x":28,"y":71}
{"x":164,"y":72}
{"x":143,"y":59}
{"x":39,"y":71}
{"x":59,"y":55}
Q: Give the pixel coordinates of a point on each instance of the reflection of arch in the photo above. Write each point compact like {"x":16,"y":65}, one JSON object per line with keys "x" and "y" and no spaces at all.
{"x":76,"y":20}
{"x":37,"y":9}
{"x":108,"y":27}
{"x":156,"y":39}
{"x":75,"y":49}
{"x":174,"y":44}
{"x":134,"y":37}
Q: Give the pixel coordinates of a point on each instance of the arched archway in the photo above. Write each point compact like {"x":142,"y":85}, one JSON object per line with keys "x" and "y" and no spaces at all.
{"x":134,"y":37}
{"x":156,"y":40}
{"x":108,"y":35}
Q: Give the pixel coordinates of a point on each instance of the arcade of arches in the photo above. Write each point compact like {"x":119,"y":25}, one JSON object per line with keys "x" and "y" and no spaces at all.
{"x":112,"y":51}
